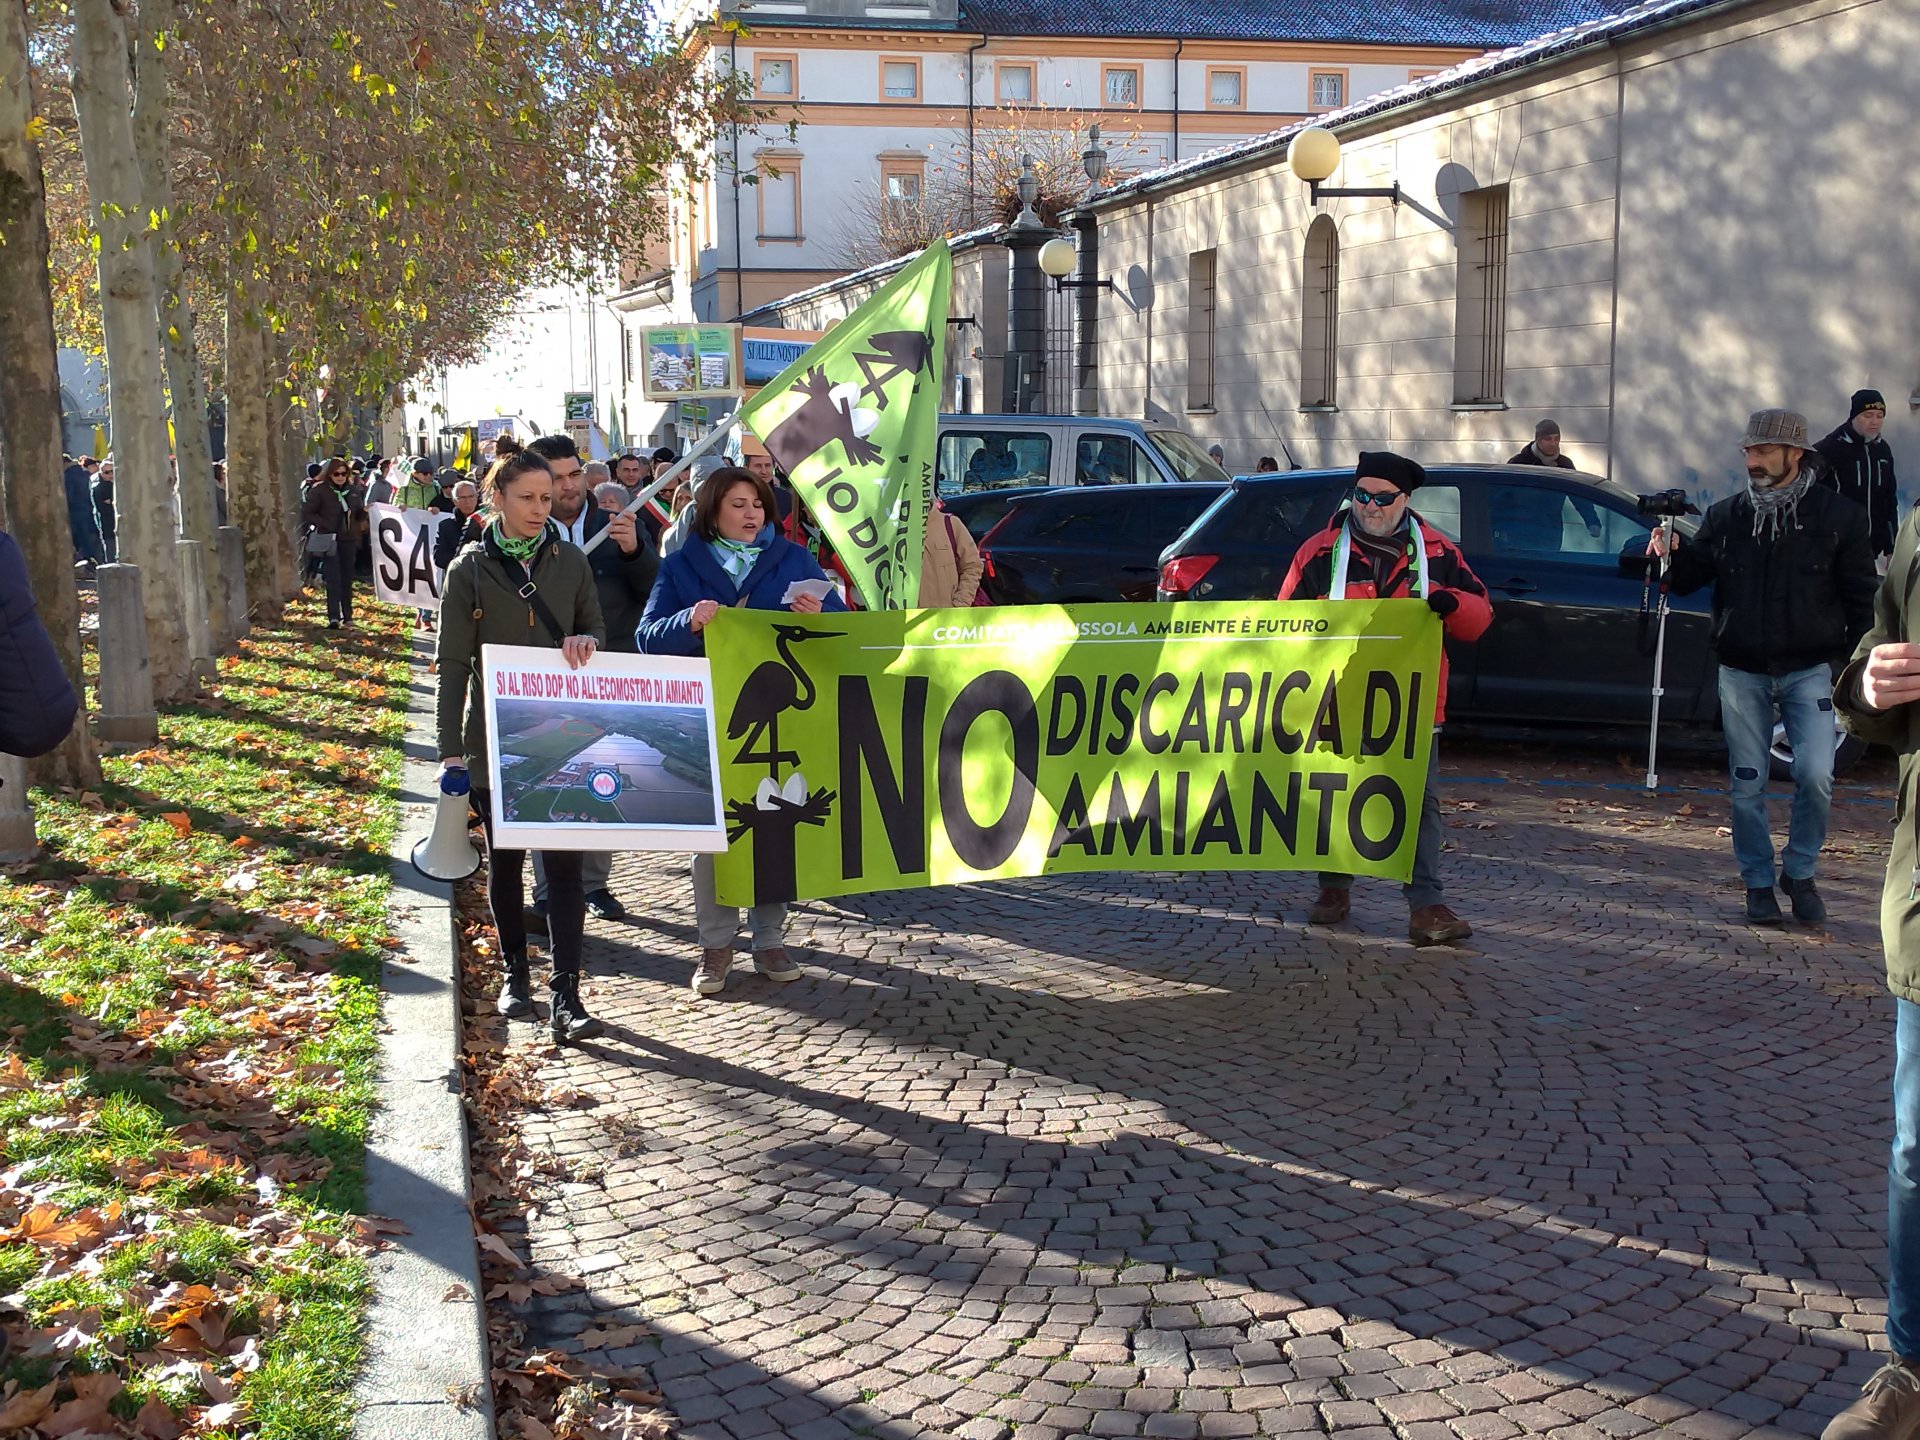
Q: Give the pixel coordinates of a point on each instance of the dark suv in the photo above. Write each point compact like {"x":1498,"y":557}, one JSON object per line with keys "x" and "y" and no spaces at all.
{"x":1559,"y":552}
{"x":1096,"y":543}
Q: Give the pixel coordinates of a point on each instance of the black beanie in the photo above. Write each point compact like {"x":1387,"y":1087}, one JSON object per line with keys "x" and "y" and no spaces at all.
{"x":1864,"y":400}
{"x":1403,"y":474}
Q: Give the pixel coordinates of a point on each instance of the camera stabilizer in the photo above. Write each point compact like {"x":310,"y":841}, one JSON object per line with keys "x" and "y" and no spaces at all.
{"x":1667,"y":505}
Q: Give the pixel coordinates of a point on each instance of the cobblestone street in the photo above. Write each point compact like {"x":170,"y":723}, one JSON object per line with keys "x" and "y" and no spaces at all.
{"x":1143,"y":1155}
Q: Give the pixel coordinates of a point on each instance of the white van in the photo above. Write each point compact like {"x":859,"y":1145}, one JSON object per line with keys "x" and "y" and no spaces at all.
{"x":1000,"y":452}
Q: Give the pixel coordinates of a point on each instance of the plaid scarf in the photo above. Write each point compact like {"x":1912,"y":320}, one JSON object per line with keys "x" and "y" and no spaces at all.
{"x":1776,"y":507}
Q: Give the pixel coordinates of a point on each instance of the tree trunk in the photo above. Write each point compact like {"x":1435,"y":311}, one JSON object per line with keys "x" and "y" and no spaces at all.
{"x":31,"y":506}
{"x":135,"y":391}
{"x":192,"y":441}
{"x":252,"y":488}
{"x":290,"y":464}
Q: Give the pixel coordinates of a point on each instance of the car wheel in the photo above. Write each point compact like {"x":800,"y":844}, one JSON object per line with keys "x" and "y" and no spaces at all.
{"x":1847,"y":750}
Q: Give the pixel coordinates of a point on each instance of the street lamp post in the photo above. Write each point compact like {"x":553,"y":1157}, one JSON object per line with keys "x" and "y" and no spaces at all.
{"x":1025,"y":365}
{"x":1060,"y":258}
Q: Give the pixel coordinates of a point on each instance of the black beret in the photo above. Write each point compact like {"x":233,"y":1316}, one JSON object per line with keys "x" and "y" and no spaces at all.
{"x":1403,"y":474}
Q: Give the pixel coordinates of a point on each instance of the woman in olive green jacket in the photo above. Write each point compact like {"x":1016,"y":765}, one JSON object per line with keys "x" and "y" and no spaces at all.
{"x":493,"y":595}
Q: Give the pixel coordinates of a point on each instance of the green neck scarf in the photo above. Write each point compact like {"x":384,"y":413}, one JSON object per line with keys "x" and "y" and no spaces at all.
{"x":513,"y":548}
{"x":736,"y":557}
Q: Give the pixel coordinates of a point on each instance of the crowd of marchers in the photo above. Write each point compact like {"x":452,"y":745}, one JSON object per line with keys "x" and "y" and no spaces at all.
{"x":1813,"y":578}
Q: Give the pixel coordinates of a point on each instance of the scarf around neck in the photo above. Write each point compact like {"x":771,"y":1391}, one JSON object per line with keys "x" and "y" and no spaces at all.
{"x":1777,"y":507}
{"x":1409,"y":535}
{"x":513,"y":547}
{"x":736,"y":557}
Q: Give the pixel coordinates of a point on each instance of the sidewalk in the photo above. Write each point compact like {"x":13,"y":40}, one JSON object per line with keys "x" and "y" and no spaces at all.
{"x":1140,"y":1155}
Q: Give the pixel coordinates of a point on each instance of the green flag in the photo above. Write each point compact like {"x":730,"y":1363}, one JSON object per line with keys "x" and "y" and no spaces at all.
{"x":854,"y":421}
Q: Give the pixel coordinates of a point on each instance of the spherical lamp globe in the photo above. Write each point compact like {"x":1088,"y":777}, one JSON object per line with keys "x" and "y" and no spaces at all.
{"x":1058,"y":257}
{"x":1313,"y":154}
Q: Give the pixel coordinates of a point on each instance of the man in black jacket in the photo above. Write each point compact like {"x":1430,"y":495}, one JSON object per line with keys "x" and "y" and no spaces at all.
{"x":623,"y":566}
{"x":1545,"y":449}
{"x":1860,"y":466}
{"x":80,"y":516}
{"x":1793,"y":585}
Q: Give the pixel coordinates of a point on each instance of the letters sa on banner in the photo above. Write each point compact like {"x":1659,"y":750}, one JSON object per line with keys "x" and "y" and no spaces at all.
{"x":888,"y":750}
{"x":403,"y":568}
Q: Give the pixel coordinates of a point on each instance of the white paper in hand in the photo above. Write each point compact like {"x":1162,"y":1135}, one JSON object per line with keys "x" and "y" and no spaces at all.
{"x":818,"y":589}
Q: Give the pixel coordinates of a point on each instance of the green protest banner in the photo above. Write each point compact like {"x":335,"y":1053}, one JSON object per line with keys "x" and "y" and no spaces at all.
{"x":854,"y":422}
{"x":887,"y":750}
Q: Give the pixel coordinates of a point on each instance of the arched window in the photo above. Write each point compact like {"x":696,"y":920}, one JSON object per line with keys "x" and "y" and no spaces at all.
{"x":1320,"y":313}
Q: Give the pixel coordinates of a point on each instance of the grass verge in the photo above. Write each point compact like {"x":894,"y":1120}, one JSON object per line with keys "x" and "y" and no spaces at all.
{"x":188,"y":1042}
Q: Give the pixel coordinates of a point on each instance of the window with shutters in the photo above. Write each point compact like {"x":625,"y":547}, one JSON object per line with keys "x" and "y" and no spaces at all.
{"x":900,"y":78}
{"x":1326,"y":89}
{"x":1226,"y":87}
{"x":1320,"y":315}
{"x":1480,"y":314}
{"x":778,"y":195}
{"x":775,"y":77}
{"x":1122,"y":84}
{"x":901,"y":181}
{"x":1202,"y":270}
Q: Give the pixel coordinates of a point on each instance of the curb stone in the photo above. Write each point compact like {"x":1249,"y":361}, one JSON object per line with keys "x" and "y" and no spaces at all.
{"x":426,"y":1375}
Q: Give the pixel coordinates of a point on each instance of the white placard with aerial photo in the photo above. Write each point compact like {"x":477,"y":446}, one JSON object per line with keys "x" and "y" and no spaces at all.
{"x":617,"y":755}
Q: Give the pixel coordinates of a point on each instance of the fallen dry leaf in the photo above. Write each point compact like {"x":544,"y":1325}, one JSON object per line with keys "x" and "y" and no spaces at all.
{"x":181,"y":822}
{"x":494,"y":1245}
{"x":157,"y":1422}
{"x":611,"y":1337}
{"x":27,"y":1407}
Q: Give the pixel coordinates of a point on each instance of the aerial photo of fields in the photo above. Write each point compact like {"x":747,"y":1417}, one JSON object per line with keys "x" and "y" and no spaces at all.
{"x":553,"y":754}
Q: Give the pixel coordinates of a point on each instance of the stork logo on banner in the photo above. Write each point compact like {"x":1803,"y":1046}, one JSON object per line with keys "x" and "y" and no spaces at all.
{"x":780,"y":807}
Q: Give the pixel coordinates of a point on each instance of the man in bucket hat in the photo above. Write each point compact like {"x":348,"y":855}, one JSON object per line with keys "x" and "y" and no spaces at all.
{"x":1377,"y":547}
{"x":1793,"y":583}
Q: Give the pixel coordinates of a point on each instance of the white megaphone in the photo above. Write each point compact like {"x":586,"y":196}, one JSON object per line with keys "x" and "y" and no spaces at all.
{"x":447,"y":854}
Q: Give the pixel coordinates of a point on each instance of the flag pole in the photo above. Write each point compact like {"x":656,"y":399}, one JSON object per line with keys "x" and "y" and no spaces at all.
{"x":719,"y":433}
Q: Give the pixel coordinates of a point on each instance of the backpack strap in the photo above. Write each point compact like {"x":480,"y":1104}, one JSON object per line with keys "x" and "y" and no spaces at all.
{"x":523,"y":586}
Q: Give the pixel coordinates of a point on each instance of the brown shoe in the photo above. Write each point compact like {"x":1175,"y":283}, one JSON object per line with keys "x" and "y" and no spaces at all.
{"x":711,"y":977}
{"x":1331,"y":905}
{"x":775,"y":964}
{"x":1888,"y":1407}
{"x":1436,"y":925}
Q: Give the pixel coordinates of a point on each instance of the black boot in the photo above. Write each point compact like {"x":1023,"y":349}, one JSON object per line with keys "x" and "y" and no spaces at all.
{"x":1762,"y":907}
{"x":516,"y":996}
{"x":567,"y":1014}
{"x":1808,"y":907}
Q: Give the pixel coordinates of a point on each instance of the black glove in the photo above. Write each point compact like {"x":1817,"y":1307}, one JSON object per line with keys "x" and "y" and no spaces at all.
{"x":1443,"y":603}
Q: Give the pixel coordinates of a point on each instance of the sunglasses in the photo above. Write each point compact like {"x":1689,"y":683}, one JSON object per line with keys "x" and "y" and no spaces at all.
{"x":1370,"y":497}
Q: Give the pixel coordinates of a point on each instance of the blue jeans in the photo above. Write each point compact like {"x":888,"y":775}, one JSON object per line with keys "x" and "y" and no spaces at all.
{"x":1804,"y":700}
{"x":1430,"y":838}
{"x":1903,"y":1187}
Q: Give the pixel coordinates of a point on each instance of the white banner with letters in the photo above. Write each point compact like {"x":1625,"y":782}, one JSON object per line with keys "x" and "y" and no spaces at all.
{"x":403,"y":569}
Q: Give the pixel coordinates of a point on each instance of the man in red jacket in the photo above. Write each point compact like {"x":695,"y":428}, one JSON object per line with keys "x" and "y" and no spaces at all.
{"x":1377,"y":547}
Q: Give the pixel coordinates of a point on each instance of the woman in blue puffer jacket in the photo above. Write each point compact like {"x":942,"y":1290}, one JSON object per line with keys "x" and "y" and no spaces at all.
{"x":736,"y":557}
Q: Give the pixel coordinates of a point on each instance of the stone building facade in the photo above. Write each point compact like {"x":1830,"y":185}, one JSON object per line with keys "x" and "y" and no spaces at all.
{"x":1645,"y":228}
